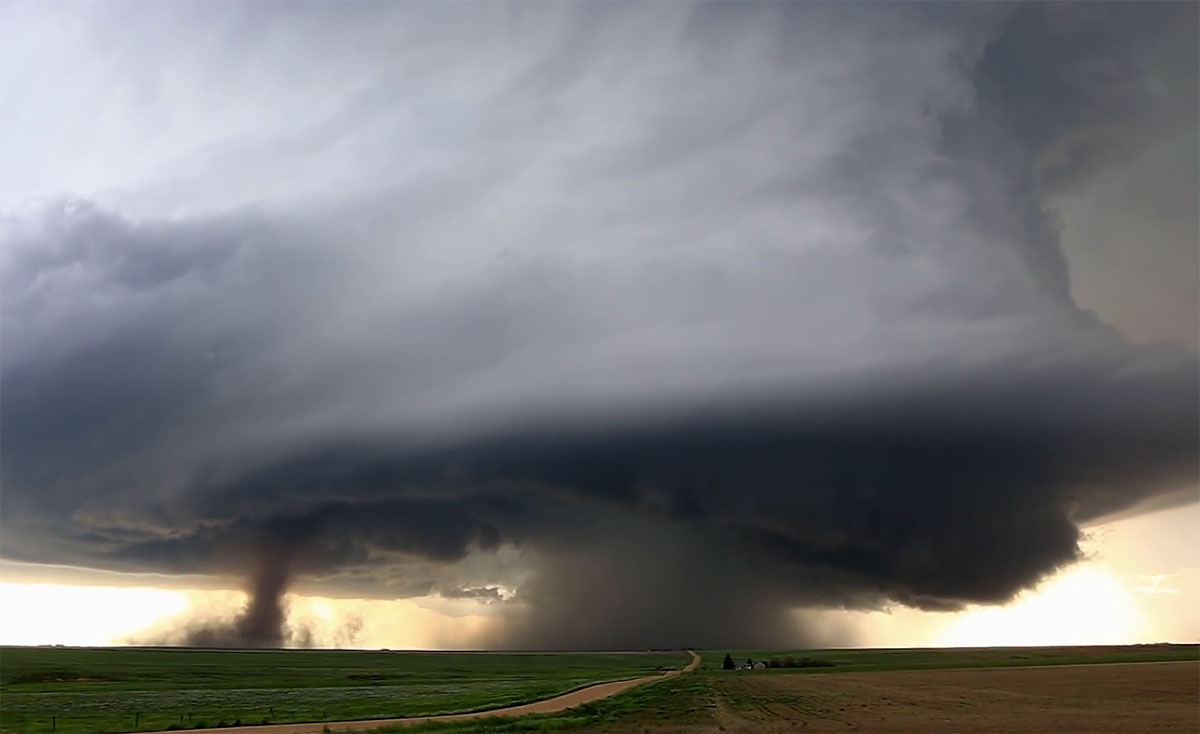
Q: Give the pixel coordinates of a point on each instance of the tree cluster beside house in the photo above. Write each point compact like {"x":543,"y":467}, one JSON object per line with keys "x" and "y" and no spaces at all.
{"x":784,"y":662}
{"x":728,"y":664}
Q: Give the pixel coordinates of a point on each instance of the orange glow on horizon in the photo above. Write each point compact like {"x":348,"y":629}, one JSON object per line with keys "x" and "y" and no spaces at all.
{"x":1138,"y":586}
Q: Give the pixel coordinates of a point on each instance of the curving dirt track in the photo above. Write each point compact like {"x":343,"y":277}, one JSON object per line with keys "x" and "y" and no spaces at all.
{"x":545,"y":706}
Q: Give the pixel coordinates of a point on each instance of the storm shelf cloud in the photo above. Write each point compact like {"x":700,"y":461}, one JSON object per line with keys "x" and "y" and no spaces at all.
{"x":640,"y":325}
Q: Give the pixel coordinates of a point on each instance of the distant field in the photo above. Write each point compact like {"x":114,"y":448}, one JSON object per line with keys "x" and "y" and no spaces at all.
{"x":1126,"y":698}
{"x":902,"y":690}
{"x":927,"y":690}
{"x":1134,"y":698}
{"x":850,"y":661}
{"x":120,"y":689}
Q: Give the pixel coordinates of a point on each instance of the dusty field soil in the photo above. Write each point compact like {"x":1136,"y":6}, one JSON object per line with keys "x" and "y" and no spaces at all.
{"x":1145,"y":697}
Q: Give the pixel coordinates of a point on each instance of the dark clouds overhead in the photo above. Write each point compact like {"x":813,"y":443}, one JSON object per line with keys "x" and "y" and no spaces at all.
{"x":686,"y":320}
{"x":1081,"y":87}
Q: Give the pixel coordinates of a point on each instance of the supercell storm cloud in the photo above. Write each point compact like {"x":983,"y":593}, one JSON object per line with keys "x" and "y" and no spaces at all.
{"x":646,"y":323}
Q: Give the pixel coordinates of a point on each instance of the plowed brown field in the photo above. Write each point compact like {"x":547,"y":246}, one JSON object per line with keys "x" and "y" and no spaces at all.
{"x":1138,"y":697}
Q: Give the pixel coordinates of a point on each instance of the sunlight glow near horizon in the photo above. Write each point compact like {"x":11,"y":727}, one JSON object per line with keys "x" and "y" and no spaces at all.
{"x":1085,"y":605}
{"x":1115,"y":597}
{"x":61,"y":614}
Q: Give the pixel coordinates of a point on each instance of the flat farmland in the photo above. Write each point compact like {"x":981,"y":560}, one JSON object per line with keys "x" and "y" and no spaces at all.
{"x":1036,"y":690}
{"x":932,"y":658}
{"x":96,"y":690}
{"x":1151,"y":688}
{"x":1116,"y":697}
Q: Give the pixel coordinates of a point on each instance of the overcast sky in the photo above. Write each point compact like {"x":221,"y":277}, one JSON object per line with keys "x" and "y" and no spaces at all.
{"x":597,"y":308}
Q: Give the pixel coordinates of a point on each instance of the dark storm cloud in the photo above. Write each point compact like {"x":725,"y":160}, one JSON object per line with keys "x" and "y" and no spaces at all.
{"x":684,"y":336}
{"x":1082,"y":86}
{"x":964,"y":493}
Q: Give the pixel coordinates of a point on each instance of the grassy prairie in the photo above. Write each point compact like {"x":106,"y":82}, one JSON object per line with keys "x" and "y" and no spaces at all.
{"x":122,"y":689}
{"x":684,"y":702}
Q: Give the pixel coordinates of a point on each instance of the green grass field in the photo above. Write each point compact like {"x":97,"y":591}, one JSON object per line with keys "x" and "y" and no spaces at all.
{"x":120,"y":689}
{"x":111,"y":690}
{"x":673,"y":701}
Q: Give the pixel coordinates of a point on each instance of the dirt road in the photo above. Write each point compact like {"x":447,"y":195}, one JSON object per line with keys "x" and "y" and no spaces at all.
{"x":546,"y":706}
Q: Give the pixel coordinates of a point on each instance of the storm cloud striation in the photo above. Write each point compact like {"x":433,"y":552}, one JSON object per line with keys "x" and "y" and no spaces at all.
{"x":644,"y":325}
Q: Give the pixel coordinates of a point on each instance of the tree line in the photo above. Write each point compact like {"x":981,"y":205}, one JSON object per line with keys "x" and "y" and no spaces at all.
{"x":787,"y":661}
